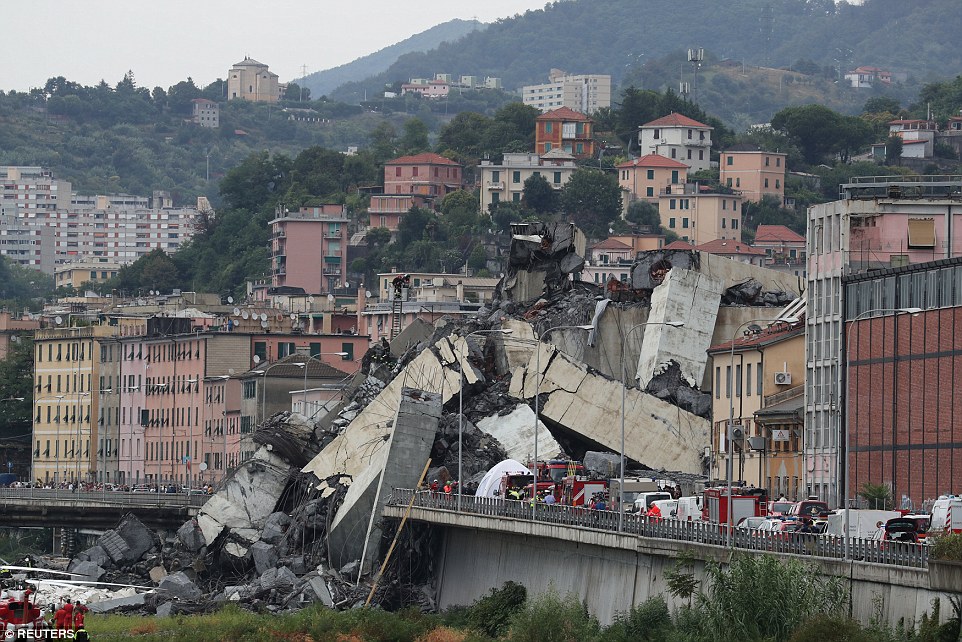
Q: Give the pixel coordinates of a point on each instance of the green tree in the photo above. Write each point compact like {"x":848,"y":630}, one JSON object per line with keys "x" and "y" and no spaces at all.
{"x":893,"y":150}
{"x":16,"y":388}
{"x":820,"y":132}
{"x":644,"y":213}
{"x":592,"y":199}
{"x":378,"y":237}
{"x":414,"y":226}
{"x":504,"y":213}
{"x":414,"y":139}
{"x":877,"y":496}
{"x":459,"y":200}
{"x":538,"y":195}
{"x":296,"y":93}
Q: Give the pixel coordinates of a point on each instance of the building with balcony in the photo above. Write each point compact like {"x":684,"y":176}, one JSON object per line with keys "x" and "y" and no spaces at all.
{"x":421,"y":180}
{"x":75,"y":275}
{"x":252,"y":80}
{"x":12,"y":330}
{"x":29,"y":192}
{"x":505,"y":182}
{"x":782,"y":245}
{"x":762,"y":391}
{"x":679,"y":138}
{"x":644,"y":178}
{"x":753,"y":172}
{"x":567,"y":130}
{"x":309,"y":248}
{"x":698,"y":215}
{"x":585,"y":93}
{"x":427,"y":89}
{"x":879,"y":224}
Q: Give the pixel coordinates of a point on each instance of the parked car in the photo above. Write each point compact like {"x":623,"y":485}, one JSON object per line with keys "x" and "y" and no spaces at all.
{"x":810,"y":507}
{"x":142,"y":488}
{"x":899,"y":529}
{"x":779,"y":508}
{"x":751,"y":522}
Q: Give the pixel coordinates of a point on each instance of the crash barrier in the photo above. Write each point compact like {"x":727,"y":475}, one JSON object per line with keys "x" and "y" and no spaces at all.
{"x":827,"y":546}
{"x":101,"y":497}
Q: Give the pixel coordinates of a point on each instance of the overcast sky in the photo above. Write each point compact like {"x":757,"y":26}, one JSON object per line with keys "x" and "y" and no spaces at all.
{"x":165,"y":41}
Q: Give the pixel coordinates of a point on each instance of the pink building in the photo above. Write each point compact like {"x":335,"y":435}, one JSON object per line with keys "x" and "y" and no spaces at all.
{"x":426,"y":174}
{"x":782,"y":245}
{"x":430,"y":89}
{"x":386,"y":210}
{"x":309,"y":249}
{"x":753,"y":172}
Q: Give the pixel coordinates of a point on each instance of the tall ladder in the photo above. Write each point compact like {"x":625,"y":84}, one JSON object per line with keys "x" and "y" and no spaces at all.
{"x":396,"y":310}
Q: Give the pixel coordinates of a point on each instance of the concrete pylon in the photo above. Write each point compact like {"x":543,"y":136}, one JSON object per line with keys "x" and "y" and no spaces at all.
{"x":690,"y":297}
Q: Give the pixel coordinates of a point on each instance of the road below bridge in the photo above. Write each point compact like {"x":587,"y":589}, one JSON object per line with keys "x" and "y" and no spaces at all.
{"x":491,"y":541}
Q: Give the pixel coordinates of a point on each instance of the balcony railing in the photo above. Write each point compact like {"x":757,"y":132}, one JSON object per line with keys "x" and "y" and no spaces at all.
{"x":494,"y":185}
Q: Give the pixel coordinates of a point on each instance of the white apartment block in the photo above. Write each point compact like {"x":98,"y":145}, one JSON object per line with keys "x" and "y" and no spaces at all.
{"x":679,"y":138}
{"x":505,"y":182}
{"x":32,"y":191}
{"x":585,"y":93}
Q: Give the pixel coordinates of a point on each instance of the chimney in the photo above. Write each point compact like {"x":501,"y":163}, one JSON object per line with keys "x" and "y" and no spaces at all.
{"x":460,"y":291}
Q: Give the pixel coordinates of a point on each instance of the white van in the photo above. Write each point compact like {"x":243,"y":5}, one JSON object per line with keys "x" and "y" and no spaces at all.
{"x":644,"y":500}
{"x":667,"y":507}
{"x":947,"y":514}
{"x":861,"y":523}
{"x":689,"y":508}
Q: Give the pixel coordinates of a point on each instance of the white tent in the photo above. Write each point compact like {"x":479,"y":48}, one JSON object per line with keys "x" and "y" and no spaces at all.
{"x":491,"y":482}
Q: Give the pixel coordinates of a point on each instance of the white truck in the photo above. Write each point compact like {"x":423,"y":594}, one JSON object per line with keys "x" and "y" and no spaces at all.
{"x":689,"y":509}
{"x":862,"y":523}
{"x":946,"y":515}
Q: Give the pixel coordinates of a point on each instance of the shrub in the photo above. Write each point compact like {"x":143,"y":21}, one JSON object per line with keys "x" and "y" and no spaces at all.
{"x":551,"y":618}
{"x":648,"y":622}
{"x":832,"y":629}
{"x":946,"y":547}
{"x":492,"y":613}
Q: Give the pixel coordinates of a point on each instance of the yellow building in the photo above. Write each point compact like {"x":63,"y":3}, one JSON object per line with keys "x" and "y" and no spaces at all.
{"x":698,"y":216}
{"x":251,"y":80}
{"x":76,"y":274}
{"x":66,"y":403}
{"x":753,"y":172}
{"x":763,"y":389}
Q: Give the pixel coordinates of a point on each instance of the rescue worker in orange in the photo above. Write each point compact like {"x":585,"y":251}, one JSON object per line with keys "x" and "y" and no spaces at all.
{"x":78,"y":617}
{"x":654,"y":513}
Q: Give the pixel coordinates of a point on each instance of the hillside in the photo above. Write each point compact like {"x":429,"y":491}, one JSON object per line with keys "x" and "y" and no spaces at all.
{"x":322,"y":83}
{"x":616,"y":36}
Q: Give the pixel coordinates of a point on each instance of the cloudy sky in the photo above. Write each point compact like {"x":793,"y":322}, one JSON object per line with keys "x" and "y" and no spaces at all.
{"x":165,"y":41}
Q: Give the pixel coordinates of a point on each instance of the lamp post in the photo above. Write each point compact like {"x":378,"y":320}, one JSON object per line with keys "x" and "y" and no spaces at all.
{"x":103,"y":442}
{"x":848,"y":363}
{"x":464,"y":358}
{"x":263,"y":372}
{"x":730,"y":441}
{"x":79,"y":450}
{"x":190,"y":451}
{"x":624,"y":389}
{"x":314,"y":358}
{"x":160,"y":439}
{"x":130,"y":444}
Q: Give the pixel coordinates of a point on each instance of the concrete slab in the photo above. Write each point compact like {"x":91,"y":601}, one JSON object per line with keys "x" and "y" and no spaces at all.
{"x":347,"y":531}
{"x":106,"y":606}
{"x":515,"y":432}
{"x":657,"y":434}
{"x":692,"y":298}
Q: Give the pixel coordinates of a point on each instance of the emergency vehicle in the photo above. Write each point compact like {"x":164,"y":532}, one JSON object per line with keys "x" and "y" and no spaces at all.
{"x":745,"y":502}
{"x":578,"y":490}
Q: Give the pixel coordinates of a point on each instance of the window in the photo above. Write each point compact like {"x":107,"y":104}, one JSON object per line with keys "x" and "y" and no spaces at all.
{"x":671,"y":204}
{"x":495,"y":198}
{"x":717,"y":382}
{"x":738,"y":380}
{"x":758,"y":377}
{"x":738,"y":182}
{"x":689,"y":134}
{"x":729,"y":160}
{"x":674,"y":153}
{"x":315,"y":349}
{"x":414,"y":171}
{"x":516,"y":177}
{"x":728,"y":382}
{"x":748,"y":380}
{"x":778,"y":162}
{"x":724,"y":206}
{"x":689,"y":154}
{"x":557,"y":178}
{"x":649,"y":191}
{"x":701,"y":154}
{"x":768,"y":160}
{"x":260,"y":350}
{"x":547,"y":147}
{"x":921,"y":232}
{"x":657,"y":133}
{"x":516,"y":197}
{"x":778,"y":183}
{"x":766,"y":182}
{"x":723,"y":223}
{"x":397,"y":171}
{"x":579,"y":148}
{"x":651,"y":174}
{"x":674,"y":177}
{"x":728,"y":182}
{"x":547,"y":127}
{"x":671,"y":223}
{"x":495,"y":176}
{"x":250,"y":389}
{"x":734,"y":223}
{"x":684,"y":223}
{"x":349,"y":349}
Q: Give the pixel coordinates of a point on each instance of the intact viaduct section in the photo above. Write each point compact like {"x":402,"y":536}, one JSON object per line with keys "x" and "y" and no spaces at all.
{"x":612,"y":571}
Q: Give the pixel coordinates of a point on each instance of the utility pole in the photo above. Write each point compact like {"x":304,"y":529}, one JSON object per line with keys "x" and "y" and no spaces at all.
{"x":300,"y":98}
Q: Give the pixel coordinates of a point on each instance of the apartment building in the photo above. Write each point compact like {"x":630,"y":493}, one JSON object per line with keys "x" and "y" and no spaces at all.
{"x":754,"y":172}
{"x":205,"y":113}
{"x":698,"y":215}
{"x":309,"y":248}
{"x":646,"y":177}
{"x":678,"y":137}
{"x":585,"y":93}
{"x":505,"y":182}
{"x":29,"y":192}
{"x":421,"y":180}
{"x":92,"y":271}
{"x":565,"y":129}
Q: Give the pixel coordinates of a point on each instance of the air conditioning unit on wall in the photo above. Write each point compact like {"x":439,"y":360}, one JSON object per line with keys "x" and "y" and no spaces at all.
{"x":783,"y":378}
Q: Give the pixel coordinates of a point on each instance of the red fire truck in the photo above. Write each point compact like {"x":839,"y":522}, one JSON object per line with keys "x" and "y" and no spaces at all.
{"x":578,"y":491}
{"x":746,"y":502}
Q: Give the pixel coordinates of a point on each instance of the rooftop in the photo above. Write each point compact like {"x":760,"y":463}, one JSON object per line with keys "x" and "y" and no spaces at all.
{"x":730,"y":247}
{"x":287,"y":367}
{"x":776,"y":332}
{"x":777,"y":234}
{"x":653,"y":160}
{"x":425,"y":158}
{"x":676,"y":120}
{"x":611,"y":244}
{"x":563,"y":113}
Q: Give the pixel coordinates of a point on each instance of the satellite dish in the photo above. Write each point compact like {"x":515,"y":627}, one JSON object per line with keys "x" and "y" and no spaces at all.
{"x":203,"y":466}
{"x":293,"y":316}
{"x":257,"y":359}
{"x":346,"y":284}
{"x":368,"y":294}
{"x":230,"y":371}
{"x":244,"y":315}
{"x":330,"y":298}
{"x":230,"y":299}
{"x":265,"y":324}
{"x":310,"y":299}
{"x":58,"y":320}
{"x":263,"y":316}
{"x":236,"y":312}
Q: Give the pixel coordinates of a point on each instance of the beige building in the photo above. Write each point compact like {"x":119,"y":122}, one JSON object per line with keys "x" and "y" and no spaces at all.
{"x":92,"y":271}
{"x":698,"y":216}
{"x":252,"y":80}
{"x":505,"y":182}
{"x":585,"y":93}
{"x":753,"y":172}
{"x":644,"y":178}
{"x":765,"y":399}
{"x":67,"y":393}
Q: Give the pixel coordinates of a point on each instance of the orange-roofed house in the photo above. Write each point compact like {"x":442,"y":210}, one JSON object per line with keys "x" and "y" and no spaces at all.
{"x":780,"y":244}
{"x":734,"y":250}
{"x":566,"y":129}
{"x":643,"y":178}
{"x":679,"y":138}
{"x":418,"y":180}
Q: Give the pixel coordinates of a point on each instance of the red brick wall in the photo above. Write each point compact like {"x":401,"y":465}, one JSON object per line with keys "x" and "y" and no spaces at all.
{"x":905,"y":416}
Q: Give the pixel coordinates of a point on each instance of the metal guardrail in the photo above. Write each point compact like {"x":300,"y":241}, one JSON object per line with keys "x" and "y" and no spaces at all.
{"x":824,"y":546}
{"x":82,"y":498}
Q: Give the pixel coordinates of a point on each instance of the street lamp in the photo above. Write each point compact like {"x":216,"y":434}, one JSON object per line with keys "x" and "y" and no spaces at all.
{"x":129,"y":473}
{"x":190,"y":439}
{"x":464,"y":358}
{"x":314,"y":358}
{"x":103,"y":442}
{"x":624,"y":389}
{"x":263,"y":373}
{"x":848,"y":363}
{"x":730,"y":441}
{"x":160,"y":439}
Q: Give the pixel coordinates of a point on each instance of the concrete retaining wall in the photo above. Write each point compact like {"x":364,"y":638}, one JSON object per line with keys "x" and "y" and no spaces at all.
{"x":612,"y":572}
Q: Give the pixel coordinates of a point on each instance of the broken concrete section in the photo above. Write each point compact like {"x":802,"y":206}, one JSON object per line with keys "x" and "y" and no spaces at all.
{"x":515,"y":431}
{"x":687,"y":297}
{"x":543,"y":255}
{"x":657,"y":434}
